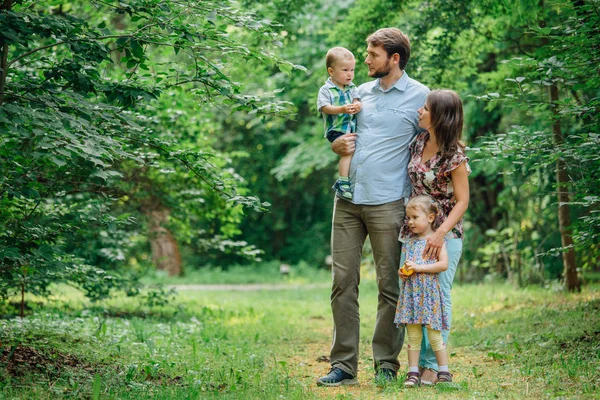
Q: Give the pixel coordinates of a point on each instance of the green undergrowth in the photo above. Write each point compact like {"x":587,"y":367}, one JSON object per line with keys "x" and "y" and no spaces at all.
{"x":267,"y":272}
{"x":506,"y":343}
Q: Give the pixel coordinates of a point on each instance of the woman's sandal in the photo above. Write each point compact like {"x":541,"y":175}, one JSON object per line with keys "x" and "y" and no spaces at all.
{"x":444,"y":377}
{"x":413,"y":379}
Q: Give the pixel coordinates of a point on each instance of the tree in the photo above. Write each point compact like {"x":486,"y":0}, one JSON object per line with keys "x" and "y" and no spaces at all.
{"x":501,"y":61}
{"x":544,"y":86}
{"x":73,"y":101}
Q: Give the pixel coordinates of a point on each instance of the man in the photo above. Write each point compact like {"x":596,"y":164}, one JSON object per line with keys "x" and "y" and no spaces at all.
{"x":379,"y":182}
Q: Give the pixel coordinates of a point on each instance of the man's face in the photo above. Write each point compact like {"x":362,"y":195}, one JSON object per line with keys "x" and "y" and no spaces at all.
{"x":380,"y":65}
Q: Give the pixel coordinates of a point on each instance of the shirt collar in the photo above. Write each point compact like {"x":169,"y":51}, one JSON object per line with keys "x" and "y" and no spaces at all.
{"x":400,"y":84}
{"x":329,"y":84}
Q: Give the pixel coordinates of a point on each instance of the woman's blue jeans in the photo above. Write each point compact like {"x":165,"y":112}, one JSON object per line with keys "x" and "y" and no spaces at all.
{"x":454,"y":247}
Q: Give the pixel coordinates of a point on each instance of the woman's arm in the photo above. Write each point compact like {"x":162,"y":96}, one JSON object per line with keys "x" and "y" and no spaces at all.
{"x":460,"y":182}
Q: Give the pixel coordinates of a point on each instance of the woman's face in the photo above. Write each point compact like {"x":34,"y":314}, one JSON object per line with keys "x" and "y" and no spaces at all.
{"x":424,"y":117}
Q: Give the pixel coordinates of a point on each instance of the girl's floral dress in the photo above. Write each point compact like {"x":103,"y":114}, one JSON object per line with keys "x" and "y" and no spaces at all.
{"x":433,"y":178}
{"x":421,"y":300}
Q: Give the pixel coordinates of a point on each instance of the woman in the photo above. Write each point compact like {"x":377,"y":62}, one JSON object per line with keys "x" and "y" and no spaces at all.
{"x":439,"y":168}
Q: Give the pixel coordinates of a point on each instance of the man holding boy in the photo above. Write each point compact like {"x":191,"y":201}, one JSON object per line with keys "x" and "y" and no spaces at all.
{"x":379,"y":183}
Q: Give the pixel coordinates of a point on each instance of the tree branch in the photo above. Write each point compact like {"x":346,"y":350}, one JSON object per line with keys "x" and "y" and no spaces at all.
{"x":64,"y":42}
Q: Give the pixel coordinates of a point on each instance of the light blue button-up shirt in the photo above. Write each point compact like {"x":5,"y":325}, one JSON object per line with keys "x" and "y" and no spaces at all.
{"x":386,"y":125}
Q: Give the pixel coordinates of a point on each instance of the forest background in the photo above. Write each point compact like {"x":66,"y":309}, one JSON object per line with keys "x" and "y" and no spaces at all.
{"x":149,"y":141}
{"x":144,"y":134}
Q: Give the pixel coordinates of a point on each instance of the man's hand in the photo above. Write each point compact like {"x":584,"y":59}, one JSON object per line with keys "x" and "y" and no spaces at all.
{"x":344,"y":145}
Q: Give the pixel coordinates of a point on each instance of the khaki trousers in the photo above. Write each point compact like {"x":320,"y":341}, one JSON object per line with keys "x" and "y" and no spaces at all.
{"x":351,"y":225}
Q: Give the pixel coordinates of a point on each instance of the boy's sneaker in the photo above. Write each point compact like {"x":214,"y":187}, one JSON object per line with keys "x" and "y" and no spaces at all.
{"x":337,"y":377}
{"x":343,"y":189}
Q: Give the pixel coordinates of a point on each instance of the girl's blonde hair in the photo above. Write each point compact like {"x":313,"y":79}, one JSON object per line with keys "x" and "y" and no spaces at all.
{"x":426,"y":204}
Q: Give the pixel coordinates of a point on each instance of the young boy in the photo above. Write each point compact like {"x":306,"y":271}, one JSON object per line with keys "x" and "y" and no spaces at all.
{"x":339,"y":101}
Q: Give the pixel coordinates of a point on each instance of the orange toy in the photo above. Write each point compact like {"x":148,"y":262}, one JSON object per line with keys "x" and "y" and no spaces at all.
{"x":405,"y":271}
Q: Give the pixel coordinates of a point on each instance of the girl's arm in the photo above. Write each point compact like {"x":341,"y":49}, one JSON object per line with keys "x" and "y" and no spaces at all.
{"x":460,"y":182}
{"x":440,"y":266}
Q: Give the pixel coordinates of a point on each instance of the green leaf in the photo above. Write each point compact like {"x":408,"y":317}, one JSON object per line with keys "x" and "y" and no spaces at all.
{"x":57,"y":161}
{"x":137,"y":49}
{"x":96,"y":386}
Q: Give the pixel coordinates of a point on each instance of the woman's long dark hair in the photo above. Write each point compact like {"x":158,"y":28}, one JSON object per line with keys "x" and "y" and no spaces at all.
{"x":447,"y":118}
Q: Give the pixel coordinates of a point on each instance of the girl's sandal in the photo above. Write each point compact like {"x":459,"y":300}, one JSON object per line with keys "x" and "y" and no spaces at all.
{"x":413,"y":379}
{"x":444,"y":377}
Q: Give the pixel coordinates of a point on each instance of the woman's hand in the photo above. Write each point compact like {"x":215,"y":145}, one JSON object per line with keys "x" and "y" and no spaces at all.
{"x":433,"y":246}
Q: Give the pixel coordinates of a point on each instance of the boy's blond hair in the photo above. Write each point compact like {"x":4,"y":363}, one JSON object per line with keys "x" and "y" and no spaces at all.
{"x":337,"y":53}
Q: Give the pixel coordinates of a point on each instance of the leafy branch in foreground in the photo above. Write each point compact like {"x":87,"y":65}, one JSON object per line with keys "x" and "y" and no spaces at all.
{"x":76,"y":82}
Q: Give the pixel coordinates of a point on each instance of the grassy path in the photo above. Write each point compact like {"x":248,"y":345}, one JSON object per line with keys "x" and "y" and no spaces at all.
{"x":248,"y":287}
{"x":266,"y":344}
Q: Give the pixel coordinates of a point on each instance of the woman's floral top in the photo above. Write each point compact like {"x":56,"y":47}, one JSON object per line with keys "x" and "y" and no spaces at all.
{"x":433,"y":178}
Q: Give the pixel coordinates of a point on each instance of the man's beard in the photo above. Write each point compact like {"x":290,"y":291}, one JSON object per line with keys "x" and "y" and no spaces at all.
{"x":381,"y":73}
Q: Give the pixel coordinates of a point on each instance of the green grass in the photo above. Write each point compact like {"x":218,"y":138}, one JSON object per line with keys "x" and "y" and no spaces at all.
{"x":268,"y":345}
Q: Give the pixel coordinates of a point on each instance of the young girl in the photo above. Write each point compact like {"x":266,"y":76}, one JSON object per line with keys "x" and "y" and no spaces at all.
{"x":421,"y":302}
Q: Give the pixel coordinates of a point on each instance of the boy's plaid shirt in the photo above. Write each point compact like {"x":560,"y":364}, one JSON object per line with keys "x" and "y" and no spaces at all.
{"x":330,"y":94}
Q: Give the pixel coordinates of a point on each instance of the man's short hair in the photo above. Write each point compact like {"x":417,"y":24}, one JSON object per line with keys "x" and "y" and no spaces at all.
{"x":393,"y":41}
{"x":337,"y":53}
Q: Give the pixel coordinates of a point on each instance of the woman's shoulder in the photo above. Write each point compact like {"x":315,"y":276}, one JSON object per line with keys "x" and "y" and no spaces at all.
{"x":421,"y":136}
{"x":419,"y":141}
{"x":453,"y":161}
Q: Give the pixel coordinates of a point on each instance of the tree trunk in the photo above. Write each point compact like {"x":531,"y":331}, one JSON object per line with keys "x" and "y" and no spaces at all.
{"x":564,"y":217}
{"x":517,"y":260}
{"x":5,"y":6}
{"x":165,"y":251}
{"x":22,"y":300}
